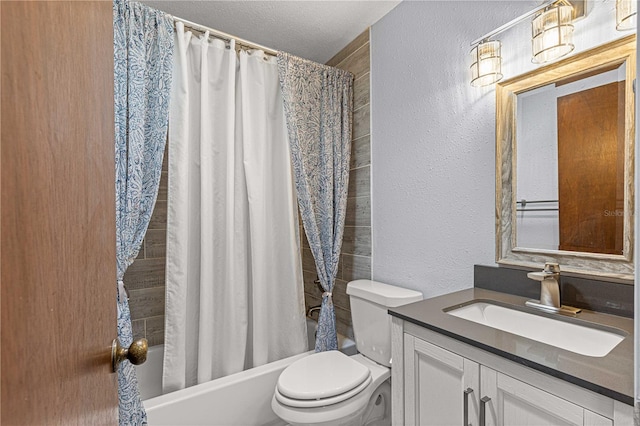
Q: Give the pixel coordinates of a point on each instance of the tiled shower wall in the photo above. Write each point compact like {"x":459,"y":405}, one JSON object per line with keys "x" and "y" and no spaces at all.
{"x":355,"y":260}
{"x":145,"y":278}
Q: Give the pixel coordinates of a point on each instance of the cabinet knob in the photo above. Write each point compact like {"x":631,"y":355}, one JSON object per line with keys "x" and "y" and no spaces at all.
{"x":136,"y":353}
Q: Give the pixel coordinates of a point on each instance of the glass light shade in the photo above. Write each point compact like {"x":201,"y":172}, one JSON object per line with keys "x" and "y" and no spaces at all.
{"x":486,"y":63}
{"x":552,"y":34}
{"x":626,"y":14}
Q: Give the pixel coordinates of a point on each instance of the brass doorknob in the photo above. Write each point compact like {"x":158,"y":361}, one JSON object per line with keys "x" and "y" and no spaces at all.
{"x":136,"y":354}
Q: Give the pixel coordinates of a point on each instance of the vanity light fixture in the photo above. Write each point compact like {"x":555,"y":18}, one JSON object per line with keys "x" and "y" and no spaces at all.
{"x":552,"y":38}
{"x":552,"y":33}
{"x":486,"y":63}
{"x":626,"y":14}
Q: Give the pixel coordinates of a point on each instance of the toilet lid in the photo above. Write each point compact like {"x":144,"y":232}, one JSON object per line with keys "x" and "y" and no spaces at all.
{"x":322,"y":402}
{"x":321,"y":375}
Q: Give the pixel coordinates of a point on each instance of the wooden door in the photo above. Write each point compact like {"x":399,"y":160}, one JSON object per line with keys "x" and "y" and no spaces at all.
{"x":57,"y":213}
{"x":435,"y":384}
{"x":591,"y":169}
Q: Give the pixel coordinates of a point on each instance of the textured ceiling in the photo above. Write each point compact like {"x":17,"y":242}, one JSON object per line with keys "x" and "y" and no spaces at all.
{"x":312,"y":29}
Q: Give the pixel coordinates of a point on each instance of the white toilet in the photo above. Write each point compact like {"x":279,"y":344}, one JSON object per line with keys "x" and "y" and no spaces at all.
{"x":330,"y":388}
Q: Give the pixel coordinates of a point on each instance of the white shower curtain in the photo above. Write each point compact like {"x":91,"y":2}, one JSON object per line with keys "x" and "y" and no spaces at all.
{"x":234,"y":297}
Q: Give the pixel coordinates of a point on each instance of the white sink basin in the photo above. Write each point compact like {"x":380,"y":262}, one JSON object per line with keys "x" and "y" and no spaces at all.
{"x":562,"y":334}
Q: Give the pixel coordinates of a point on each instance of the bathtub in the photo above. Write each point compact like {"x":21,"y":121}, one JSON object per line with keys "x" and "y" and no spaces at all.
{"x":239,"y":399}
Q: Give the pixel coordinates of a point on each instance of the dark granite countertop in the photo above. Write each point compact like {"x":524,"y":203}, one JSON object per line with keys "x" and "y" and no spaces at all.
{"x":610,"y":375}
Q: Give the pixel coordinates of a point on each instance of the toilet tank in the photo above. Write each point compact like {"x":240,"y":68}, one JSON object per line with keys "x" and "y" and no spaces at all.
{"x":370,"y":301}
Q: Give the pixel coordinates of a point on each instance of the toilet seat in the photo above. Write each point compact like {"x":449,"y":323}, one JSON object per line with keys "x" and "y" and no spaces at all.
{"x":321,"y":402}
{"x":321,"y":379}
{"x":340,"y":413}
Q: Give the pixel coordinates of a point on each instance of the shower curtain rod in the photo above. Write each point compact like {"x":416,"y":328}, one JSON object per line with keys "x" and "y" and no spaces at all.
{"x":226,"y":37}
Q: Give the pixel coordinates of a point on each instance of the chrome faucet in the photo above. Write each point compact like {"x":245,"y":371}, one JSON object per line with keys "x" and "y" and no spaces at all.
{"x":549,"y":286}
{"x":549,"y":290}
{"x":313,"y":309}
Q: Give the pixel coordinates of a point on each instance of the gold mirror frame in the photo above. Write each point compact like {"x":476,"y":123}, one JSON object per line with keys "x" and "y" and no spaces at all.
{"x":507,"y":252}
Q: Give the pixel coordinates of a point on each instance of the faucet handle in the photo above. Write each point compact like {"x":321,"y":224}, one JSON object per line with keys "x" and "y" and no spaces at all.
{"x":551,"y":268}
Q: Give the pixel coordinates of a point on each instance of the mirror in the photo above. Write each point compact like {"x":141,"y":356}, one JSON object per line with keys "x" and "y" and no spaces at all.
{"x":564,"y":164}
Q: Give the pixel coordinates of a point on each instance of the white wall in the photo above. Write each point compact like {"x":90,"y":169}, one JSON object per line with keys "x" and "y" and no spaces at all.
{"x":536,"y":134}
{"x":433,"y":180}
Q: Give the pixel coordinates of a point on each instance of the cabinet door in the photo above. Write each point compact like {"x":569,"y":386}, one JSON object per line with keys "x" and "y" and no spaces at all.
{"x":622,"y":414}
{"x":515,"y":403}
{"x":435,"y":384}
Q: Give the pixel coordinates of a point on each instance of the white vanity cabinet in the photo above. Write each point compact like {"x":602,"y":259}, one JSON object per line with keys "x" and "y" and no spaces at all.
{"x":438,"y":381}
{"x":442,"y":387}
{"x":513,"y":402}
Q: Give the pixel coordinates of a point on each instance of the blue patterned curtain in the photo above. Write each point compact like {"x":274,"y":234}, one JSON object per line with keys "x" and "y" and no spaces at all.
{"x":143,"y":58}
{"x":318,"y":103}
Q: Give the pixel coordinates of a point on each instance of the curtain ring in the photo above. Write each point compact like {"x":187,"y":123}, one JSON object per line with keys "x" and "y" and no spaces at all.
{"x":326,"y":294}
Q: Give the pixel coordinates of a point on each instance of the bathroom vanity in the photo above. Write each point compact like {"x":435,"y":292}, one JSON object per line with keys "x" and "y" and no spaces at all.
{"x":452,"y":370}
{"x":481,"y":357}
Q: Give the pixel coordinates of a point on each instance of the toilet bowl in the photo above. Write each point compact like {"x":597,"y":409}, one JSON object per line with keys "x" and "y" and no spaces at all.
{"x":345,"y":403}
{"x":331,"y":388}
